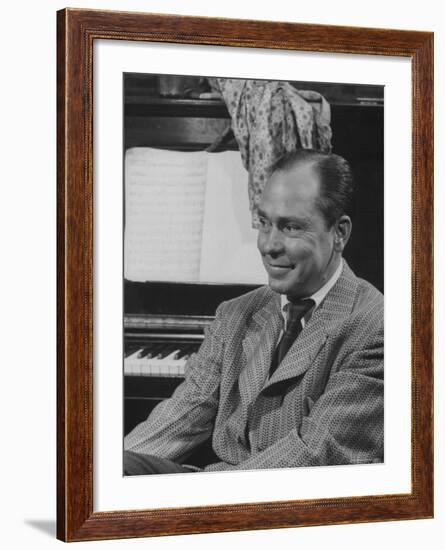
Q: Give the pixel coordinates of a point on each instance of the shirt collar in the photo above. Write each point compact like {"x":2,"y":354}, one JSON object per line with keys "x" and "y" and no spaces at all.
{"x":318,"y":296}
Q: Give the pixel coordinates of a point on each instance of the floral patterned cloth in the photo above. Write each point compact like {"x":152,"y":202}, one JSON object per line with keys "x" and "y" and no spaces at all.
{"x":270,"y":118}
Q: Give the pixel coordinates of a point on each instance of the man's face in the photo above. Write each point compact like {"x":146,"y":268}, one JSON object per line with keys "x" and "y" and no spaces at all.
{"x":296,"y":247}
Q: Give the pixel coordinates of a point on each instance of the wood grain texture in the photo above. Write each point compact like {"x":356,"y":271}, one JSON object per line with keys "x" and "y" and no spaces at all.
{"x":77,"y":30}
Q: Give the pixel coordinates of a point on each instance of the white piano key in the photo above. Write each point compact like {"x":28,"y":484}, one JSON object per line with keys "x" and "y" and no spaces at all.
{"x":133,"y":355}
{"x":172,"y":356}
{"x":156,"y":367}
{"x":145,"y":369}
{"x":130,"y":363}
{"x":169,"y":366}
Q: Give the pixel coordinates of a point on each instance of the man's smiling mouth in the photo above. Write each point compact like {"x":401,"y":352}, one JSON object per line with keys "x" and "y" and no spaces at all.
{"x":278,"y":267}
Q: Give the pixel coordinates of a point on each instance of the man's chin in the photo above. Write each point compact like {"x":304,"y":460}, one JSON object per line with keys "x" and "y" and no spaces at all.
{"x":279,"y":286}
{"x":289,"y":289}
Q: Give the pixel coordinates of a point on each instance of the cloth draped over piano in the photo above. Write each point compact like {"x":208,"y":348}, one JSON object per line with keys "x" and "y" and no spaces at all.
{"x":269,"y":119}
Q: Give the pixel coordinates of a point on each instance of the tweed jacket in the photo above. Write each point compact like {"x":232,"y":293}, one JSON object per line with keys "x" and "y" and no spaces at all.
{"x":323,"y":405}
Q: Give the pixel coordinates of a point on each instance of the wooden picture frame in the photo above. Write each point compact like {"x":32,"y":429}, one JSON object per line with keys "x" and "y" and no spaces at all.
{"x":77,"y":31}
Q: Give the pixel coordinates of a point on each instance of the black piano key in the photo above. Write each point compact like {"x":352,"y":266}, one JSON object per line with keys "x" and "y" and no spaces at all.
{"x":153,"y":350}
{"x":195,"y":347}
{"x":185,"y":351}
{"x":129,"y":350}
{"x":143,"y":353}
{"x":175,"y":350}
{"x":166,"y":350}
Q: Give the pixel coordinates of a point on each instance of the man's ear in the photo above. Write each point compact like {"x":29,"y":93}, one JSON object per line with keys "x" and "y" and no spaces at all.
{"x":343,"y":228}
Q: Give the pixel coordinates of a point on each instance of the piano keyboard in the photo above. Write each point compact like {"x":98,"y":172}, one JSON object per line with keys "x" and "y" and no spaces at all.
{"x":161,"y":359}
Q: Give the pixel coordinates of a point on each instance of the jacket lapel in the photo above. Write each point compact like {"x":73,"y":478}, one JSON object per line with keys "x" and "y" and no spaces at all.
{"x":333,"y":310}
{"x":259,"y":346}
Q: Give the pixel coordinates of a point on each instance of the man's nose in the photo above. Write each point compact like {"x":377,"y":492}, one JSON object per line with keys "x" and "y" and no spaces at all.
{"x":274,"y":242}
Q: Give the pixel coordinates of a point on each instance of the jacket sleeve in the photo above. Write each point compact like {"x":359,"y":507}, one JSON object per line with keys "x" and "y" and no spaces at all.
{"x":344,"y":425}
{"x":179,"y":424}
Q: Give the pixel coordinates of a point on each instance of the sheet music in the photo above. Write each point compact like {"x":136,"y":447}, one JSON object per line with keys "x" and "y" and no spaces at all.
{"x":187,"y":218}
{"x":164,"y":206}
{"x":229,"y":252}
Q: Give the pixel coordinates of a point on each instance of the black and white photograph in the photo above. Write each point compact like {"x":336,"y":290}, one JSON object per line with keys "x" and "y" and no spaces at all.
{"x":253,"y":326}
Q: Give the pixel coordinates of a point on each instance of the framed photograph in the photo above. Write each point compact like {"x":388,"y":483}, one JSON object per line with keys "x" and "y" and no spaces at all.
{"x":245,"y":215}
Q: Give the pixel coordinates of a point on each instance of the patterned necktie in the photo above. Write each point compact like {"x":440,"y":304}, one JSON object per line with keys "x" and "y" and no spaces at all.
{"x":295,"y":312}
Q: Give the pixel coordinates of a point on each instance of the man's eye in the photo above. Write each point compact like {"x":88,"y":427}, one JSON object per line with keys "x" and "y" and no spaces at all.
{"x":264,"y":224}
{"x":292,"y":229}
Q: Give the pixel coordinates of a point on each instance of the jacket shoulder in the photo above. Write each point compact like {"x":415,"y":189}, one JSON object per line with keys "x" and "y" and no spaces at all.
{"x":365,"y":325}
{"x":248,"y":303}
{"x":368,"y":297}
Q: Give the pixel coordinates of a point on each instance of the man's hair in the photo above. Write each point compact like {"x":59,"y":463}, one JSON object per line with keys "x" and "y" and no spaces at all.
{"x":336,"y":180}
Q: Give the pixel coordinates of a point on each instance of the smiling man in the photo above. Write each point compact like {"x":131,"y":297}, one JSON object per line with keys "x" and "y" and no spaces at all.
{"x":290,"y":374}
{"x":301,"y":245}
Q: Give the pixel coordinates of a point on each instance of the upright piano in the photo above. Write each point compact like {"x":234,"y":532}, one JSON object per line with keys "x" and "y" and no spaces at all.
{"x":164,"y":325}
